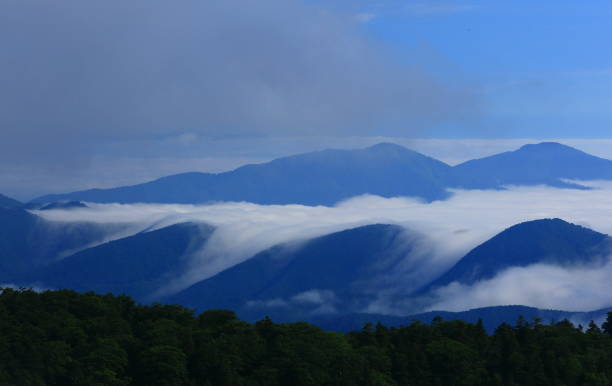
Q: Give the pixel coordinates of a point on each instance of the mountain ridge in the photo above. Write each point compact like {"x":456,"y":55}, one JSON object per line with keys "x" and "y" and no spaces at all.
{"x":332,"y":264}
{"x":8,"y":202}
{"x":546,"y":163}
{"x":491,"y":317}
{"x":544,"y":241}
{"x":329,"y":176}
{"x":136,"y":265}
{"x":316,"y":178}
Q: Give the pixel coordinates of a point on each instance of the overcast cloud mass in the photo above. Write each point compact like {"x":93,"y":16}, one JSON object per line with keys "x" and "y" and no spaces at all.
{"x":110,"y":93}
{"x":449,"y":230}
{"x":81,"y":78}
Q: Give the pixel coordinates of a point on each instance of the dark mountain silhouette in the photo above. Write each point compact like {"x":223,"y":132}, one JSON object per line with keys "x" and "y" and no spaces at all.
{"x":551,"y":241}
{"x":136,"y":265}
{"x":27,"y":241}
{"x":546,"y":163}
{"x":324,"y":280}
{"x":319,"y":178}
{"x":492,"y":317}
{"x":9,"y":203}
{"x":339,"y":267}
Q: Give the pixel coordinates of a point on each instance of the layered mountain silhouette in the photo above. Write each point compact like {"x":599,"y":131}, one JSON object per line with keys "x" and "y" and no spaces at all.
{"x":546,"y":163}
{"x":548,"y":241}
{"x":337,"y":270}
{"x":8,"y":203}
{"x":136,"y":265}
{"x":319,"y":178}
{"x":332,"y":271}
{"x":388,"y":170}
{"x":328,"y":280}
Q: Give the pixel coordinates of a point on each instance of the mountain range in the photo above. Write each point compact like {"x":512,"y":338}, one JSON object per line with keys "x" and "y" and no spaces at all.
{"x":343,"y":272}
{"x":328,"y":280}
{"x":387,"y":170}
{"x":137,"y":265}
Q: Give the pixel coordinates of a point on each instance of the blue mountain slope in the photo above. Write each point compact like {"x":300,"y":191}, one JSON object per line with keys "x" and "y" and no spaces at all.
{"x":136,"y":265}
{"x":551,"y":241}
{"x":544,"y":163}
{"x":387,"y":170}
{"x":9,"y":203}
{"x":319,"y":178}
{"x":491,"y":317}
{"x":340,"y":264}
{"x":27,"y":241}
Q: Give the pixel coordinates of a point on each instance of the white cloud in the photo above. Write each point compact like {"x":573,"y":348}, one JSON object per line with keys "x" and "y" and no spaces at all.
{"x":450,"y":228}
{"x":542,"y":286}
{"x":315,"y":297}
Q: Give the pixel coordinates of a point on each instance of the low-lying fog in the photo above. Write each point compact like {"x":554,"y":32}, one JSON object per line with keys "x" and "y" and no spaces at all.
{"x":451,"y":228}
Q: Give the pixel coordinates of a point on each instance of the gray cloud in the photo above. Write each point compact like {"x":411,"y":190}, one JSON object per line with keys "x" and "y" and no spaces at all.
{"x":79,"y":74}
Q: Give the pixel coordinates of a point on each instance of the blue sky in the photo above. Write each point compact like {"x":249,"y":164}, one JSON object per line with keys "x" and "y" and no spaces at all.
{"x":543,"y":68}
{"x":99,"y":94}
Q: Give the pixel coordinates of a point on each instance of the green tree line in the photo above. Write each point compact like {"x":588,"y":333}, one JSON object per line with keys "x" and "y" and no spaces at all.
{"x":67,"y":338}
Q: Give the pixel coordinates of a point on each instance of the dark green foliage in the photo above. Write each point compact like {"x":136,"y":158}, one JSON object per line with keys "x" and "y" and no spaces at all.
{"x":66,"y":338}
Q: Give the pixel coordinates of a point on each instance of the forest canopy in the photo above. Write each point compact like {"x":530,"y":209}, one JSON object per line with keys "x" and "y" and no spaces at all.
{"x":67,"y":338}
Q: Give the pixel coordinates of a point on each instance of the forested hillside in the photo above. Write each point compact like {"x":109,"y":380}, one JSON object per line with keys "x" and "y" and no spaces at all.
{"x":66,"y":338}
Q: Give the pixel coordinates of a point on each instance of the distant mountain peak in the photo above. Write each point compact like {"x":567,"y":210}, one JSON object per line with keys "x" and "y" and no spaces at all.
{"x":543,"y":146}
{"x":545,"y":163}
{"x":549,"y":241}
{"x":385,"y":169}
{"x":318,"y":178}
{"x":388,"y":146}
{"x":548,"y":225}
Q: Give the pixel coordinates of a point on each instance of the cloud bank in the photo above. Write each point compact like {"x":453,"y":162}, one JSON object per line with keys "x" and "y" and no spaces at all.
{"x":449,"y":229}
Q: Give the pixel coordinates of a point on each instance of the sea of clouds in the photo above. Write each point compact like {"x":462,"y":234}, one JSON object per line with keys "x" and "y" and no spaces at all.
{"x":449,"y":229}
